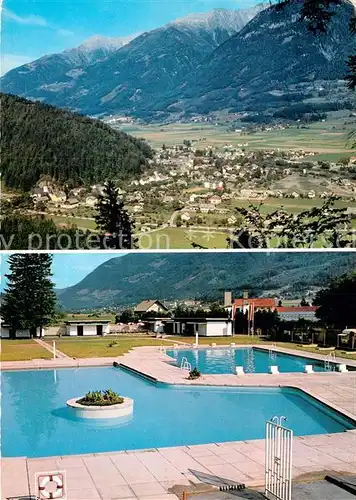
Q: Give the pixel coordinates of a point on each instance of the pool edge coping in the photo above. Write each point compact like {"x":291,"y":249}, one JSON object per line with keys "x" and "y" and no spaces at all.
{"x":105,"y":361}
{"x":330,"y":406}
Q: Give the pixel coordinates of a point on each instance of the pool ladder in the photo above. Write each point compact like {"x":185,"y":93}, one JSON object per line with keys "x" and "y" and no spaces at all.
{"x":330,"y":362}
{"x":250,"y":362}
{"x":271,"y":352}
{"x":185,"y":365}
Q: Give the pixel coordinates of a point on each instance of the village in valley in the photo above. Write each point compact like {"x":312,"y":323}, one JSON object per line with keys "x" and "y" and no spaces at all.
{"x":189,"y":185}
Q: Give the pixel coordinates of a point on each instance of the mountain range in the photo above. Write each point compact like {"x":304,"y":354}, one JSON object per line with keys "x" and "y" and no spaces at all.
{"x":128,"y":279}
{"x":257,"y":60}
{"x":273,"y":61}
{"x":113,"y":68}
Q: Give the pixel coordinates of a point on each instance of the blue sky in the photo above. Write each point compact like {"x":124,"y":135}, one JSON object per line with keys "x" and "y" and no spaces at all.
{"x":33,"y":28}
{"x":67,"y":268}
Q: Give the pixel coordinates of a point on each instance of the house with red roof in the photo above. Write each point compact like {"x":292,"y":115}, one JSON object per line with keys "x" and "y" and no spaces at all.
{"x":255,"y":304}
{"x":252,"y":305}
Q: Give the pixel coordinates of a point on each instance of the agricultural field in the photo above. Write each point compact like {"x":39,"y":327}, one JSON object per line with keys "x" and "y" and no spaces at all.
{"x":289,"y":204}
{"x":67,"y":220}
{"x":180,"y":237}
{"x":328,"y":138}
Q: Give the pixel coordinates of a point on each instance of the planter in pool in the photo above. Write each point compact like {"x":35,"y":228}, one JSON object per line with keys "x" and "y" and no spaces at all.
{"x":113,"y":411}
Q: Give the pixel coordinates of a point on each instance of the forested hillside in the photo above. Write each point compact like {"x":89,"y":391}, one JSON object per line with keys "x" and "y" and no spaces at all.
{"x":41,"y":140}
{"x":131,"y":278}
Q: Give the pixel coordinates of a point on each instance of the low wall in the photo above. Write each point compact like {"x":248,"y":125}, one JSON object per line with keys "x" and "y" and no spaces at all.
{"x":55,"y":330}
{"x":59,"y":330}
{"x":95,"y":412}
{"x":126,"y":328}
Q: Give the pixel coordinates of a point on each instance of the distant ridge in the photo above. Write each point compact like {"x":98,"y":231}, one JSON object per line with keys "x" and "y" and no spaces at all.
{"x":134,"y":277}
{"x":118,"y":75}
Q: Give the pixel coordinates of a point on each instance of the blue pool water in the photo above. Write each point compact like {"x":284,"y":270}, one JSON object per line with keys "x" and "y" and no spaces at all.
{"x":224,"y":360}
{"x":36,"y":422}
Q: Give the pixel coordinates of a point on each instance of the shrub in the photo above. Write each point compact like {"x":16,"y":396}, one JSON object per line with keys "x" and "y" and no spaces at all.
{"x":101,"y":398}
{"x":194,"y":374}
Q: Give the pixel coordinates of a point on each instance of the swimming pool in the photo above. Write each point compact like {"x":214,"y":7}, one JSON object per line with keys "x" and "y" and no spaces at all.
{"x":35,"y":421}
{"x":224,"y":360}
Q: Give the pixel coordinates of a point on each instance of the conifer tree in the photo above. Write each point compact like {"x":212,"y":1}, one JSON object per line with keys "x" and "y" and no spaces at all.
{"x":337,"y":302}
{"x":29,"y":300}
{"x":114,"y":220}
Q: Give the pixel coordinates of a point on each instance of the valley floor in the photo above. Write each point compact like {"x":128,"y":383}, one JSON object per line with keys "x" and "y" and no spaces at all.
{"x":328,"y":139}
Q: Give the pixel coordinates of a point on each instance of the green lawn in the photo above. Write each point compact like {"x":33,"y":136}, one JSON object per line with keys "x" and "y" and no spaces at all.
{"x":289,"y":204}
{"x":182,"y":237}
{"x":73,"y":221}
{"x":22,"y":350}
{"x":100,"y":347}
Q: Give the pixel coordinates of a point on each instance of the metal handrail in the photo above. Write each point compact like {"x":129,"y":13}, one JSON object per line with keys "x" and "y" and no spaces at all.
{"x":183,"y":360}
{"x":185,"y":365}
{"x":330,"y":361}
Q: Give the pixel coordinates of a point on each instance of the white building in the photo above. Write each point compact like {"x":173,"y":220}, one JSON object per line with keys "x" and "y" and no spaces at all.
{"x":87,"y":327}
{"x":150,"y":306}
{"x":206,"y":327}
{"x":185,"y":216}
{"x":90,"y":201}
{"x":19,"y":334}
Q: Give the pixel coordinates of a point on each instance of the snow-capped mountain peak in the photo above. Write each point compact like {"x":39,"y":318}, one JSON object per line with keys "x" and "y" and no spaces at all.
{"x":231,"y":20}
{"x":96,"y":42}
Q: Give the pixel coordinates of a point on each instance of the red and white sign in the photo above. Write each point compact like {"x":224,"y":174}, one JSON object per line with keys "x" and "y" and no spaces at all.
{"x":51,"y":485}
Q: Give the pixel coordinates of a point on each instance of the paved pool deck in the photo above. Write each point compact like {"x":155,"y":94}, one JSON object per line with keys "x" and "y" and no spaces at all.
{"x":158,"y":474}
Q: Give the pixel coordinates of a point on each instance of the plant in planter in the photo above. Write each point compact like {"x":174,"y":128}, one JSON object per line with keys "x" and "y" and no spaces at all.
{"x":194,"y":374}
{"x":101,"y":398}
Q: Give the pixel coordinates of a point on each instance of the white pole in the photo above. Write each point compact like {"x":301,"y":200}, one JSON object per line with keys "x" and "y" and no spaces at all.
{"x":54,"y":349}
{"x":196,"y":337}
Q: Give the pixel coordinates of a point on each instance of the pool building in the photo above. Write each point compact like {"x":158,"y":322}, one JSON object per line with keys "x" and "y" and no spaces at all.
{"x":87,"y":327}
{"x":204,"y":327}
{"x":70,"y":327}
